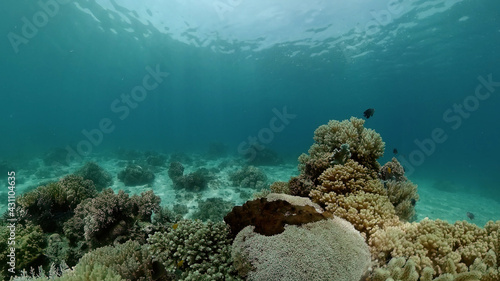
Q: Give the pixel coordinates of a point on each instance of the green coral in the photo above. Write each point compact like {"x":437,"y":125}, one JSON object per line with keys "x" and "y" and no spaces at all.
{"x":97,"y":272}
{"x":196,"y":250}
{"x":29,"y":245}
{"x":130,"y":260}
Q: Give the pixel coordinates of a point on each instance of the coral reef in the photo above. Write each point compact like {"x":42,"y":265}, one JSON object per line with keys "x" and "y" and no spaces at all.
{"x":270,"y":217}
{"x":51,"y":205}
{"x":280,"y":187}
{"x":129,"y":260}
{"x":175,"y":171}
{"x":403,"y":196}
{"x":95,"y":273}
{"x":340,"y":156}
{"x":300,"y":185}
{"x":213,"y":209}
{"x":444,"y":248}
{"x":92,"y":171}
{"x":392,"y":170}
{"x":331,"y":142}
{"x":365,"y":145}
{"x":29,"y":244}
{"x":324,"y":250}
{"x":134,"y":175}
{"x":196,"y":181}
{"x":354,"y":193}
{"x":402,"y":192}
{"x":195,"y":250}
{"x":58,"y":250}
{"x":164,"y":217}
{"x":345,"y":179}
{"x":110,"y":217}
{"x":249,"y":176}
{"x":404,"y":270}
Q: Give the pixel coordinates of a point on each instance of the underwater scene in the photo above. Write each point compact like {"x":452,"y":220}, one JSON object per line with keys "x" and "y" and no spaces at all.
{"x":250,"y":140}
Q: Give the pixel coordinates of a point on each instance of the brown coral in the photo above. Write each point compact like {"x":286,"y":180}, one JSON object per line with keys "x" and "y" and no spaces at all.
{"x":110,"y":217}
{"x":300,"y":185}
{"x":393,"y":171}
{"x":270,"y":217}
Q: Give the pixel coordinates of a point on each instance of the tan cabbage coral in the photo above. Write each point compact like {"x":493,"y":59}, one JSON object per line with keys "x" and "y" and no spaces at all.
{"x":443,"y":247}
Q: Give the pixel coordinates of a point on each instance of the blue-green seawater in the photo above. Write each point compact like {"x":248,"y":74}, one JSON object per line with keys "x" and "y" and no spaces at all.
{"x":430,"y":69}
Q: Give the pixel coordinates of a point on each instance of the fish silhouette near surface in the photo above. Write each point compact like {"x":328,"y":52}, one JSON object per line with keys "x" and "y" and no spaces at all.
{"x":470,"y":215}
{"x":369,"y":113}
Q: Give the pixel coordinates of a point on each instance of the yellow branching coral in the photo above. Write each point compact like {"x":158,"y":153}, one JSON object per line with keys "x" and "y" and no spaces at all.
{"x":352,"y":192}
{"x":346,"y":178}
{"x":368,"y":212}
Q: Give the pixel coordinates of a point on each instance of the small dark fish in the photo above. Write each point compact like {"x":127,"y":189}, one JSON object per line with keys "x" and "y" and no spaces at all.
{"x":413,"y":201}
{"x":369,"y":113}
{"x":395,"y":151}
{"x":470,"y":215}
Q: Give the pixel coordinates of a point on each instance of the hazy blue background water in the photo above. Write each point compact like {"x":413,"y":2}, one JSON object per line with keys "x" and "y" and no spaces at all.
{"x":230,"y":63}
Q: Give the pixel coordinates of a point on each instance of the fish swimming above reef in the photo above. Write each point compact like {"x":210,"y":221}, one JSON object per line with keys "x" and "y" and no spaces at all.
{"x":470,"y":215}
{"x":369,"y":113}
{"x":395,"y":151}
